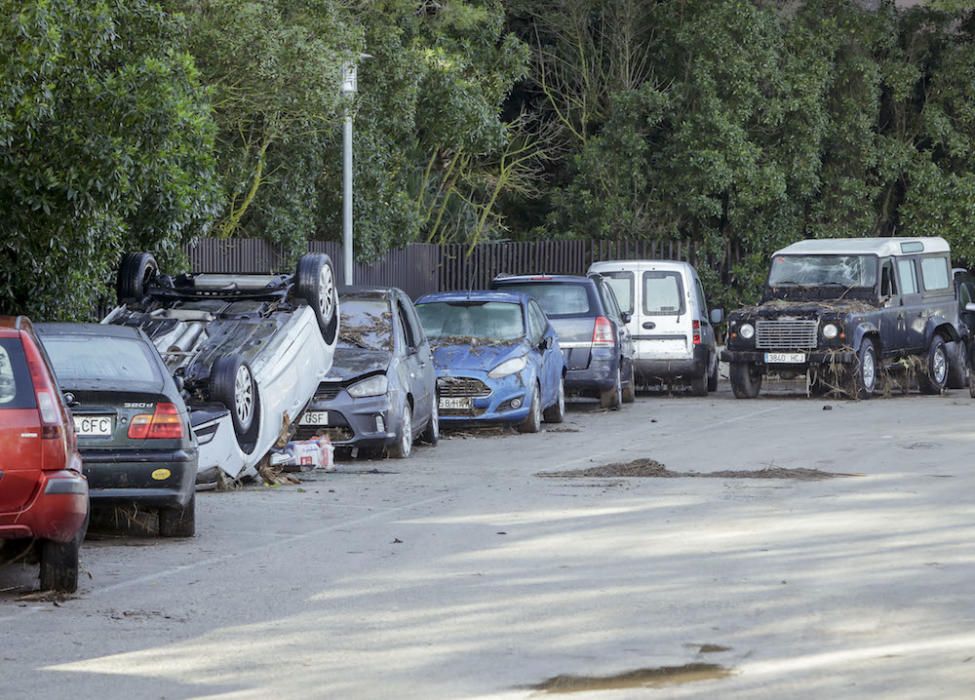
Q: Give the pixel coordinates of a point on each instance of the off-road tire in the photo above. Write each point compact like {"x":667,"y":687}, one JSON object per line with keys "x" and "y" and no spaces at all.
{"x":178,"y":522}
{"x":629,"y":389}
{"x":959,"y":369}
{"x":402,"y":448}
{"x":431,"y":433}
{"x":746,"y":380}
{"x":713,"y":376}
{"x":862,"y":375}
{"x":315,"y":285}
{"x":934,"y":377}
{"x":556,"y":412}
{"x":135,"y":273}
{"x":533,"y":421}
{"x":59,"y":565}
{"x":612,"y":398}
{"x":225,"y":374}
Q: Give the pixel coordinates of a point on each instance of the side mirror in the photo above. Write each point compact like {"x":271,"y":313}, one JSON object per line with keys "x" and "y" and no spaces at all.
{"x":970,"y":306}
{"x":626,"y":317}
{"x":717,"y":316}
{"x":546,"y":343}
{"x":180,"y":384}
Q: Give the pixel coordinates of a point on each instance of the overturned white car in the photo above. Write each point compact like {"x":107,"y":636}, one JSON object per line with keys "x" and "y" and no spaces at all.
{"x":248,"y":350}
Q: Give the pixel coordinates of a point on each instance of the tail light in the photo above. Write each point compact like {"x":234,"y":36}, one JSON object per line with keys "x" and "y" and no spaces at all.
{"x":163,"y":424}
{"x":44,"y":391}
{"x":696,"y":327}
{"x":602,"y":332}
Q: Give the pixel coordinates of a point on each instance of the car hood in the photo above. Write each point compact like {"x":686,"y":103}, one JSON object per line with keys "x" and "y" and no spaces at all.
{"x":803,"y":309}
{"x":350,"y":363}
{"x":460,"y":356}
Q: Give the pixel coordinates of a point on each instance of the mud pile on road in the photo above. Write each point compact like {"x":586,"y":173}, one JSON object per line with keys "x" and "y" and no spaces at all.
{"x":650,"y":468}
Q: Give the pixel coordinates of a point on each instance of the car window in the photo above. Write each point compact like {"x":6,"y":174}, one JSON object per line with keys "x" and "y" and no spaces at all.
{"x":621,"y":283}
{"x":663,"y":293}
{"x":16,"y":389}
{"x":556,"y":298}
{"x":408,"y":333}
{"x":609,"y":300}
{"x":964,"y":294}
{"x":100,"y":358}
{"x":366,"y":324}
{"x":888,"y":283}
{"x":905,"y":270}
{"x":417,"y":328}
{"x":537,"y":322}
{"x":935,"y":274}
{"x":463,"y":320}
{"x":701,"y":300}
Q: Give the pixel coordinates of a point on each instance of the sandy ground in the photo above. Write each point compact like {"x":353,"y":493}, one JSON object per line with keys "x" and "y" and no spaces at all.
{"x":461,"y":574}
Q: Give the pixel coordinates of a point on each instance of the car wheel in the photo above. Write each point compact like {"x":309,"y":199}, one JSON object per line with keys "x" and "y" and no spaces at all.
{"x":863,"y":375}
{"x":556,"y":412}
{"x":629,"y":391}
{"x":612,"y":398}
{"x":232,"y":384}
{"x":178,"y":522}
{"x":699,"y":385}
{"x":135,"y":273}
{"x":403,"y":447}
{"x":934,"y":377}
{"x":533,"y":421}
{"x":713,"y":376}
{"x":746,"y":380}
{"x":59,"y":565}
{"x":431,"y":434}
{"x":958,"y":367}
{"x":315,"y":284}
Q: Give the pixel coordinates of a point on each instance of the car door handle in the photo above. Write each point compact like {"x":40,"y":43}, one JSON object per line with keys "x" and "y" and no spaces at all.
{"x":649,"y":325}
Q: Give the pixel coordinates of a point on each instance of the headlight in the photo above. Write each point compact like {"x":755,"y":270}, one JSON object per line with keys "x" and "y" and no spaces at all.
{"x":373,"y":386}
{"x":508,"y":367}
{"x":747,"y":331}
{"x":830,"y":331}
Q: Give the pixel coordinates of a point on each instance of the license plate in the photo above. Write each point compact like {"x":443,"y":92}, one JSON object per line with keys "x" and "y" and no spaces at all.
{"x":94,"y":426}
{"x":786,"y":358}
{"x":455,"y":403}
{"x":314,"y":418}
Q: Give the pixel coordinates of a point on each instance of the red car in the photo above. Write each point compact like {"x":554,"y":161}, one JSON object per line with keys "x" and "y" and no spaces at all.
{"x":43,"y":495}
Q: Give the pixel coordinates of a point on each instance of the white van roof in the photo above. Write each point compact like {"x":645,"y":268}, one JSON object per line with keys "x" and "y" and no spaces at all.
{"x":639,"y":265}
{"x":881,"y":247}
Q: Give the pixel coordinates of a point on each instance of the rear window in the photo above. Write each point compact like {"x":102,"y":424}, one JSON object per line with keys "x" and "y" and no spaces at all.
{"x":366,"y":324}
{"x":934,"y":273}
{"x":16,"y":389}
{"x":556,"y":298}
{"x":88,"y":358}
{"x":622,"y":285}
{"x":663,"y":293}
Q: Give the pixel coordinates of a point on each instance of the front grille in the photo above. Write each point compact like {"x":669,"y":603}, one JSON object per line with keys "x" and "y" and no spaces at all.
{"x":785,"y":334}
{"x":462,"y":387}
{"x":327,"y":392}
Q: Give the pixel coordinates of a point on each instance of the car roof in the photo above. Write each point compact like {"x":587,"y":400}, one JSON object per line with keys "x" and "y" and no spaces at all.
{"x":866,"y":246}
{"x":541,"y":278}
{"x":475,"y":295}
{"x":98,"y":329}
{"x":631,"y":265}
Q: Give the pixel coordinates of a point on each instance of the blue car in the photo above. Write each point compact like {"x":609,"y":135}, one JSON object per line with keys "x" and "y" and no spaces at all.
{"x":497,"y":358}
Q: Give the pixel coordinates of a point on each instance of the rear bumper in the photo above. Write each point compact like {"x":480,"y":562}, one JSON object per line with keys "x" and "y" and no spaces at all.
{"x":599,"y":376}
{"x":57,"y":511}
{"x":652,"y":368}
{"x":164,"y":479}
{"x":756,"y":357}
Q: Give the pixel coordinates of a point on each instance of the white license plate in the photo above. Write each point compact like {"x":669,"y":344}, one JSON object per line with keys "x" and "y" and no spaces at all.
{"x":455,"y":403}
{"x":786,"y":358}
{"x":314,"y":418}
{"x":94,"y":426}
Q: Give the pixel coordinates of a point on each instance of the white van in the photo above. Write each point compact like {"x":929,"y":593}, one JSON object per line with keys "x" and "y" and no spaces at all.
{"x":671,"y":329}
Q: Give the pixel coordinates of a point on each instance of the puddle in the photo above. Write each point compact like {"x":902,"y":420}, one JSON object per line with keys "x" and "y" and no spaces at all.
{"x":641,"y":678}
{"x":651,"y":468}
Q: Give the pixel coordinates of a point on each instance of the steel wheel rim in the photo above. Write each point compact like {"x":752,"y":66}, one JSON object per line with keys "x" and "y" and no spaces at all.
{"x":869,"y":371}
{"x":406,"y":441}
{"x":940,"y":366}
{"x":619,"y":386}
{"x":561,"y":397}
{"x":435,"y":420}
{"x":243,"y":396}
{"x":536,"y":408}
{"x":326,"y":292}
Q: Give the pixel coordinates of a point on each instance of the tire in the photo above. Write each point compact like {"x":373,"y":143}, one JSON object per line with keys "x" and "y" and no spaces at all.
{"x":958,"y":367}
{"x":699,"y":385}
{"x":556,"y":412}
{"x":629,"y":391}
{"x":135,"y":273}
{"x":934,"y":378}
{"x":431,"y":433}
{"x":533,"y":421}
{"x":59,"y":565}
{"x":232,"y":384}
{"x":315,"y":285}
{"x":713,"y":376}
{"x":862,"y":380}
{"x":403,"y":447}
{"x":746,"y":380}
{"x":178,"y":522}
{"x":612,"y":398}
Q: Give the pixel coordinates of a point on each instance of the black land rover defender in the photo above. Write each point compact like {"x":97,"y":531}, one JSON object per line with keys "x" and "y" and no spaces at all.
{"x":842,"y":310}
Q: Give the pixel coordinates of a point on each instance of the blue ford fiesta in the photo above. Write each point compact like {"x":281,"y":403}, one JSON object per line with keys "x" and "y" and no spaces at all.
{"x":497,"y":357}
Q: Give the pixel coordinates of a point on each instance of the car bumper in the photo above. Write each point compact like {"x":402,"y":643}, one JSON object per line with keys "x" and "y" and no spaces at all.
{"x":57,"y":511}
{"x":496,"y":407}
{"x":370,"y":421}
{"x":163,"y":479}
{"x":655,"y":368}
{"x":816,"y":357}
{"x":599,"y":376}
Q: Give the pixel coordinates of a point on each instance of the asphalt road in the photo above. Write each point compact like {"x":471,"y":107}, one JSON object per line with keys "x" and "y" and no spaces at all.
{"x":461,"y":574}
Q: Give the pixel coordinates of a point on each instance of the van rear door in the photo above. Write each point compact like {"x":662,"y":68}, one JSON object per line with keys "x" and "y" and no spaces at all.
{"x":663,"y":316}
{"x":20,"y":427}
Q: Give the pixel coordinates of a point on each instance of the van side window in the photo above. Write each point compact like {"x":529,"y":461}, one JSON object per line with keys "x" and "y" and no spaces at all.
{"x":905,"y":270}
{"x":888,"y":284}
{"x":934,"y":273}
{"x":622,"y":285}
{"x":701,"y":303}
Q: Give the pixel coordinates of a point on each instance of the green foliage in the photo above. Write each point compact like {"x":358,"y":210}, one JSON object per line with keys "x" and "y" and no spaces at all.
{"x":105,"y":141}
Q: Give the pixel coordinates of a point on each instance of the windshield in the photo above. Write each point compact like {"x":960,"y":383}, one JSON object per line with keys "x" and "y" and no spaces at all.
{"x":823,"y":270}
{"x":87,"y":358}
{"x":492,"y":320}
{"x":366,"y":324}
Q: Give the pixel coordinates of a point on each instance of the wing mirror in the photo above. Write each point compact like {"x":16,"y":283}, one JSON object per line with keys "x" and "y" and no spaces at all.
{"x":547,"y":343}
{"x":717,"y":316}
{"x":970,"y":306}
{"x":626,"y":317}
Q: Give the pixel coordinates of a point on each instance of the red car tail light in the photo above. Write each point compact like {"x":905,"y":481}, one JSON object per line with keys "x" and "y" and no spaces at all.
{"x":44,"y":391}
{"x":602,"y":332}
{"x":696,"y":327}
{"x":163,"y":424}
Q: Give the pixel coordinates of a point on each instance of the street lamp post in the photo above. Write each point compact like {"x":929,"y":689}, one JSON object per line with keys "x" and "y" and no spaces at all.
{"x":349,"y":87}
